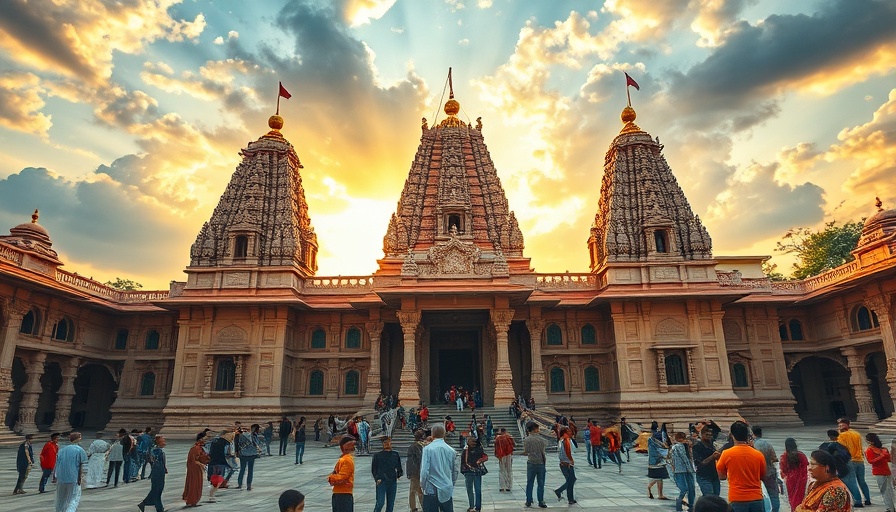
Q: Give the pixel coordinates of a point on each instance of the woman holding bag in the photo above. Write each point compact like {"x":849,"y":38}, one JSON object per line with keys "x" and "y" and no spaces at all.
{"x":472,"y":465}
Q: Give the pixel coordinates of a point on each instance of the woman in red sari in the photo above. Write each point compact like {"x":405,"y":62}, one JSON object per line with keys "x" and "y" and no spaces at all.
{"x":794,"y":468}
{"x":196,"y":461}
{"x":827,"y":493}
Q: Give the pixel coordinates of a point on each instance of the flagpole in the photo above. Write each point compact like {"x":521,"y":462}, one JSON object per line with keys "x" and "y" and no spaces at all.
{"x":278,"y":98}
{"x":628,"y":94}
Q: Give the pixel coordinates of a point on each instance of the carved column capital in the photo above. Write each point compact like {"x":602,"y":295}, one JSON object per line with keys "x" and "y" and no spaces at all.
{"x":879,"y":304}
{"x":409,"y":320}
{"x":374,"y":329}
{"x":501,"y":319}
{"x":536,"y":327}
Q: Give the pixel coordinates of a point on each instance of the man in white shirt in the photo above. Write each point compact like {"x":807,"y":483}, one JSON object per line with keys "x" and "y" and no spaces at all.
{"x":438,"y":473}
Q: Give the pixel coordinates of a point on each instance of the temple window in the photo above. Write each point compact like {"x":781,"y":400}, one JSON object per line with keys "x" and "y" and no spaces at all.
{"x":353,"y":338}
{"x":63,"y":330}
{"x":121,"y":339}
{"x":661,"y":238}
{"x":796,"y":330}
{"x":454,"y":220}
{"x":225,"y":377}
{"x":316,"y":383}
{"x":319,"y":339}
{"x":148,"y":384}
{"x":558,"y":380}
{"x":588,"y":335}
{"x":592,"y":379}
{"x":675,"y":371}
{"x":351,"y":382}
{"x":241,"y":246}
{"x":30,"y":323}
{"x":739,"y":375}
{"x":554,"y":335}
{"x":152,"y":340}
{"x":782,"y":330}
{"x":864,"y":319}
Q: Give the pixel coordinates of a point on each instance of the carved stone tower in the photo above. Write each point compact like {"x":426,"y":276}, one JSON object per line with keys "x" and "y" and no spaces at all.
{"x":453,"y":219}
{"x":262,"y":218}
{"x":643,"y":215}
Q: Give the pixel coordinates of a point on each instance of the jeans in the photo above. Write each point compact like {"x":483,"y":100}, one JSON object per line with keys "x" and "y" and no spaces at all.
{"x":859,"y":469}
{"x":885,"y":484}
{"x":709,"y":487}
{"x":385,"y":494}
{"x":685,"y":483}
{"x":534,"y":471}
{"x":431,"y":503}
{"x":343,"y":502}
{"x":850,"y":481}
{"x":616,"y":458}
{"x":747,"y":506}
{"x":114,"y":466}
{"x":771,"y":485}
{"x":267,"y":445}
{"x":154,"y":497}
{"x":128,"y":465}
{"x":474,"y":490}
{"x":47,"y":473}
{"x":246,"y":463}
{"x":569,"y":473}
{"x":284,"y":442}
{"x":300,"y":452}
{"x":142,"y":461}
{"x":589,"y":450}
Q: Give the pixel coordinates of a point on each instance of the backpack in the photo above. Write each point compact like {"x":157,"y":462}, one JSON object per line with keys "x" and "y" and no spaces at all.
{"x":841,"y":457}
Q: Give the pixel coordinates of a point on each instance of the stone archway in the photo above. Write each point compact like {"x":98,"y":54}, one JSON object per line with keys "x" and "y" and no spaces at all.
{"x":95,"y":390}
{"x":876,"y":371}
{"x":19,"y":378}
{"x":822,"y":391}
{"x":50,"y":382}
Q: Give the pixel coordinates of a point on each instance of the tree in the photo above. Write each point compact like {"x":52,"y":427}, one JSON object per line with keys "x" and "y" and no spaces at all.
{"x":819,"y":251}
{"x":123,"y":284}
{"x":771,"y":271}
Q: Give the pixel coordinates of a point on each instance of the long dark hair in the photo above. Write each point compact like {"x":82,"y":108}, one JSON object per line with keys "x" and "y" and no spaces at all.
{"x":829,"y":461}
{"x":793,"y":455}
{"x":872,"y":438}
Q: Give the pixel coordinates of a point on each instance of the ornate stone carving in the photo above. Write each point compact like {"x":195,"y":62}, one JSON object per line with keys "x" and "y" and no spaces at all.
{"x":232,"y":335}
{"x":454,"y":257}
{"x":732,"y":330}
{"x":661,"y":371}
{"x":670,"y":328}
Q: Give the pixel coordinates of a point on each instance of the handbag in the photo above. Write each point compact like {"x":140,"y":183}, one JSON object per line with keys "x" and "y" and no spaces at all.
{"x":481,"y":470}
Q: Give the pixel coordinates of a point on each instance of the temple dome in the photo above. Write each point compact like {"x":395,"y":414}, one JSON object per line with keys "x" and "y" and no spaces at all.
{"x":32,"y":230}
{"x":884,"y":221}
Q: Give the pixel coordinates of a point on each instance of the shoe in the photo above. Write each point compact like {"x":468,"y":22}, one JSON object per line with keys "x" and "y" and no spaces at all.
{"x":559,"y":496}
{"x":528,"y":504}
{"x":663,"y":498}
{"x":140,"y":506}
{"x":858,"y":505}
{"x":542,"y":505}
{"x":649,"y":494}
{"x":867,"y":503}
{"x":572,"y":502}
{"x":249,"y":488}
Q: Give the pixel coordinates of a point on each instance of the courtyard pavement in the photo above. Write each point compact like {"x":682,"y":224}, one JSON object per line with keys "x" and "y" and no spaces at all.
{"x":596,"y":489}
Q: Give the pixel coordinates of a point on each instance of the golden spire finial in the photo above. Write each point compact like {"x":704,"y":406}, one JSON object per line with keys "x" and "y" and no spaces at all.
{"x":275,"y":122}
{"x":35,"y":216}
{"x":452,"y":107}
{"x":628,"y":117}
{"x":877,"y":202}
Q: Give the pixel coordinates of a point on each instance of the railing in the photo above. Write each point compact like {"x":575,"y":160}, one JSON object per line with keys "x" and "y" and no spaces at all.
{"x":566,"y":281}
{"x":340,"y":283}
{"x":136,"y":297}
{"x":125,"y":296}
{"x":831,"y":276}
{"x":734,"y":280}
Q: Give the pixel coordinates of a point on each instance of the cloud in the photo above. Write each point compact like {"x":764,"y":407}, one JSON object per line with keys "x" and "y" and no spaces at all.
{"x":714,"y":19}
{"x":360,"y":12}
{"x":797,"y":160}
{"x":871,"y":148}
{"x":21,"y":104}
{"x":214,"y":81}
{"x":484,"y":4}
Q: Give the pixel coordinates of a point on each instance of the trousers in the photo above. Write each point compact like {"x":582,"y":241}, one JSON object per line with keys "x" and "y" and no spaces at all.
{"x":505,"y":471}
{"x":415,"y":493}
{"x":535,"y":472}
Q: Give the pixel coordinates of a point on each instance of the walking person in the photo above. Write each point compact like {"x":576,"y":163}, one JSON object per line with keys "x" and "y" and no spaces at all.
{"x":827,"y":492}
{"x":504,"y":446}
{"x":24,"y":461}
{"x":852,"y":440}
{"x":794,"y":468}
{"x":342,"y":479}
{"x":414,"y":458}
{"x":317,"y":428}
{"x":705,"y":457}
{"x":158,"y":470}
{"x":299,"y":435}
{"x":567,"y":467}
{"x":116,"y":458}
{"x":472,"y":461}
{"x":438,"y":473}
{"x":127,"y":454}
{"x":96,"y":462}
{"x":144,"y":445}
{"x":683,"y":471}
{"x":534,"y":448}
{"x":386,"y":469}
{"x":268,"y":436}
{"x":197,"y":460}
{"x":249,"y":447}
{"x":657,"y":450}
{"x":770,"y":480}
{"x":284,"y":432}
{"x":70,"y":462}
{"x":48,"y":461}
{"x":879,"y":458}
{"x":743,"y":466}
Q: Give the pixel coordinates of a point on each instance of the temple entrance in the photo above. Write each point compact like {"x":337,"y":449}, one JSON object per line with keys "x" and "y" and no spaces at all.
{"x":822,"y":391}
{"x":94,"y":394}
{"x":455,"y":360}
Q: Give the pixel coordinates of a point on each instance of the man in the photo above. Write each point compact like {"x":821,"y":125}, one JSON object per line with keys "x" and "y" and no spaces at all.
{"x":415,"y":455}
{"x":595,"y":435}
{"x":144,"y":444}
{"x":128,"y":454}
{"x":364,"y":435}
{"x":386,"y":469}
{"x":158,"y":465}
{"x":292,"y":501}
{"x":438,"y":473}
{"x":70,"y":462}
{"x":24,"y":461}
{"x":284,"y":432}
{"x":743,"y":466}
{"x":504,"y":446}
{"x":853,"y":442}
{"x":705,"y":457}
{"x":771,"y":472}
{"x":48,"y":461}
{"x":249,"y":447}
{"x":343,"y":477}
{"x":567,"y":467}
{"x":533,"y":447}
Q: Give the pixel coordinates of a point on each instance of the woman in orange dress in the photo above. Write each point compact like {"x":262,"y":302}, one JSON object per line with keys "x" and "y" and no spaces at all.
{"x":827,"y":493}
{"x":196,"y":461}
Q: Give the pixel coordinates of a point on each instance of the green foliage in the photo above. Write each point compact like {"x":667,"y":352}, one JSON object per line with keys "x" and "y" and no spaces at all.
{"x":819,"y":251}
{"x":771,"y":271}
{"x":123,"y":284}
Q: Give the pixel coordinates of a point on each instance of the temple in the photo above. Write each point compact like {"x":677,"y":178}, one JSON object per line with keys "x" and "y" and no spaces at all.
{"x":658,"y":327}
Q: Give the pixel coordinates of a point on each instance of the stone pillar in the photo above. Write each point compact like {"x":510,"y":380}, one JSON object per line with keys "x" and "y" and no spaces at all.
{"x":209,"y":365}
{"x":692,"y":370}
{"x":374,"y":384}
{"x":858,"y":379}
{"x":880,"y":304}
{"x":12,"y":316}
{"x":409,"y":392}
{"x":65,"y":395}
{"x":34,"y":368}
{"x":539,"y":389}
{"x":661,"y":371}
{"x":238,"y":377}
{"x":501,"y":319}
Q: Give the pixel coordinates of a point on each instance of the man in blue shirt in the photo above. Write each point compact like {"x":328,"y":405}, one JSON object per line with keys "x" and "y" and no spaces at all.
{"x":438,"y":473}
{"x":70,"y":462}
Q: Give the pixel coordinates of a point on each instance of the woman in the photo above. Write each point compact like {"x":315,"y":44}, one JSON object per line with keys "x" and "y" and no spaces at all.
{"x":331,"y":428}
{"x":657,"y":450}
{"x":196,"y":462}
{"x":472,"y":466}
{"x":827,"y":493}
{"x":299,"y":432}
{"x":683,"y":470}
{"x":794,"y":467}
{"x":156,"y":476}
{"x":879,"y":458}
{"x":96,"y":462}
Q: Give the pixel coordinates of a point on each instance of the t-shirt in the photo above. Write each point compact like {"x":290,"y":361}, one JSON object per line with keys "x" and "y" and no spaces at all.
{"x":702,"y":452}
{"x":745,"y":467}
{"x":853,"y":442}
{"x":534,"y":447}
{"x":594,"y":435}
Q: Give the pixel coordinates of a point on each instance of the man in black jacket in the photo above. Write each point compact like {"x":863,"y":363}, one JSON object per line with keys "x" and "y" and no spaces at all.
{"x":285,"y":430}
{"x":24,"y":461}
{"x":386,"y":469}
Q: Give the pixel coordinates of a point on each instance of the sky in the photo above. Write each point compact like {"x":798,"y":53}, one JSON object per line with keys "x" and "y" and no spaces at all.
{"x":122,"y":120}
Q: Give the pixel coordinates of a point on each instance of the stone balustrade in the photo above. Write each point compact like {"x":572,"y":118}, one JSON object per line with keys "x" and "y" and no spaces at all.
{"x":566,"y":281}
{"x":340,"y":283}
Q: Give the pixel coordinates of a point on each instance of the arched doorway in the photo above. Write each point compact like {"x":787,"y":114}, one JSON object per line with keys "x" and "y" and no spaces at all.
{"x":94,"y":394}
{"x":19,"y":378}
{"x":391,"y":359}
{"x":822,"y":391}
{"x":50,"y":383}
{"x":876,"y":371}
{"x":520,"y":354}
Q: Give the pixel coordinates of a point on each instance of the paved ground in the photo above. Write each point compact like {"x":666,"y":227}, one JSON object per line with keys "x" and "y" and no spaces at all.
{"x":596,"y":490}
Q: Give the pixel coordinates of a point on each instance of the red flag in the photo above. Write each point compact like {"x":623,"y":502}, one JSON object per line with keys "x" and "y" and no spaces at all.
{"x":628,"y":81}
{"x":284,"y":93}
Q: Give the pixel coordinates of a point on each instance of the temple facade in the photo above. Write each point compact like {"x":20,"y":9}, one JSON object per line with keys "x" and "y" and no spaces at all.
{"x":658,"y":327}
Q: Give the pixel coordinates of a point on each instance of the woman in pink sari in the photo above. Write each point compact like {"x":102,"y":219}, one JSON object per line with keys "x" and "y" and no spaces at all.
{"x":794,"y":468}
